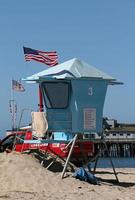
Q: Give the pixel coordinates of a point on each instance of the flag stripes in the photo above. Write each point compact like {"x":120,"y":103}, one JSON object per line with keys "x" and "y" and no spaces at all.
{"x":48,"y":58}
{"x":17,"y":86}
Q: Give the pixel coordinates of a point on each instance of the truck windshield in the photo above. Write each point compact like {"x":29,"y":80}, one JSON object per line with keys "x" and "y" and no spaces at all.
{"x":56,"y":94}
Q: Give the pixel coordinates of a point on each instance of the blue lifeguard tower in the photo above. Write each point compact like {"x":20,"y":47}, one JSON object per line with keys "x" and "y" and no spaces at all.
{"x":74,"y":94}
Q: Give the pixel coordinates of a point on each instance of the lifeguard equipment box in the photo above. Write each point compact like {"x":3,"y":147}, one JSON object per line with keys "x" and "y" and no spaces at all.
{"x":74,"y":94}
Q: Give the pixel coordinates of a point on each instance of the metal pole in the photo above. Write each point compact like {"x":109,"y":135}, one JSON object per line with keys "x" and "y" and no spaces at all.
{"x":69,"y":155}
{"x":13,"y":107}
{"x":12,"y":104}
{"x":111,"y":162}
{"x":95,"y":166}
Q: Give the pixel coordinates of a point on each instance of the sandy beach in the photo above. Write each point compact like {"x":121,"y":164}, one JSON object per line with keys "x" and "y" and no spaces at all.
{"x":22,"y":177}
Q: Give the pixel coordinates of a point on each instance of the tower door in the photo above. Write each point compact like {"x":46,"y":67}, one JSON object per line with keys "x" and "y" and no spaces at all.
{"x":56,"y":96}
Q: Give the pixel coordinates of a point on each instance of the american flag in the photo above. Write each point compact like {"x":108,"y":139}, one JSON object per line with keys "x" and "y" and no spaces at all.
{"x":17,"y":86}
{"x":48,"y":58}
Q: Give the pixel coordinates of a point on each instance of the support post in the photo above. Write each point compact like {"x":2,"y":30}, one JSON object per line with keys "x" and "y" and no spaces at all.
{"x":41,"y":109}
{"x":111,"y":162}
{"x":69,"y":156}
{"x":102,"y":147}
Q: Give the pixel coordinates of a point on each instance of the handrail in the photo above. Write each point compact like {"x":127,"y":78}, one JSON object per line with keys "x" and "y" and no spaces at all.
{"x":19,"y":123}
{"x":22,"y":112}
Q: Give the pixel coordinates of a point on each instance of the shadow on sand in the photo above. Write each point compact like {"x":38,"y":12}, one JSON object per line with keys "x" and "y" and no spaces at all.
{"x":114,"y":181}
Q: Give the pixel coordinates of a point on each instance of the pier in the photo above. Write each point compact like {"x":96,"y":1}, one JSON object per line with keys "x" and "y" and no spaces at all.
{"x":120,"y":140}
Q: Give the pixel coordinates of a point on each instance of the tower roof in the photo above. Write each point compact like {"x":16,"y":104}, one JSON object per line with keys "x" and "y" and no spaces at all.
{"x":71,"y":69}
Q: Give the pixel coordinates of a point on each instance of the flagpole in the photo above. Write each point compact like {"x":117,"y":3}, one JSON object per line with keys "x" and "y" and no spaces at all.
{"x":41,"y":105}
{"x":12,"y":94}
{"x":13,"y":107}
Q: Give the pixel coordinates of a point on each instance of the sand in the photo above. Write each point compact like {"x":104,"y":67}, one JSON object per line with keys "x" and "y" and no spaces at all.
{"x":22,"y":177}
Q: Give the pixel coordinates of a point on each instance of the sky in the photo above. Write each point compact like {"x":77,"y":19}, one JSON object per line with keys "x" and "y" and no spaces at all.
{"x":99,"y":32}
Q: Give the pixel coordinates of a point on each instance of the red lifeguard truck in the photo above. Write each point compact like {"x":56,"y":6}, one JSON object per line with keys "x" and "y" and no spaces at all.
{"x":16,"y":139}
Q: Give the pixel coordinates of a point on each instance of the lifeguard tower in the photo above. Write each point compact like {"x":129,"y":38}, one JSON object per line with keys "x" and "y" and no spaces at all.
{"x":74,"y":94}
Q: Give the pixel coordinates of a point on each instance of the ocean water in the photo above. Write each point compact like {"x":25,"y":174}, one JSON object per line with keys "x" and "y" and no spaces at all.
{"x":2,"y":135}
{"x":118,"y":163}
